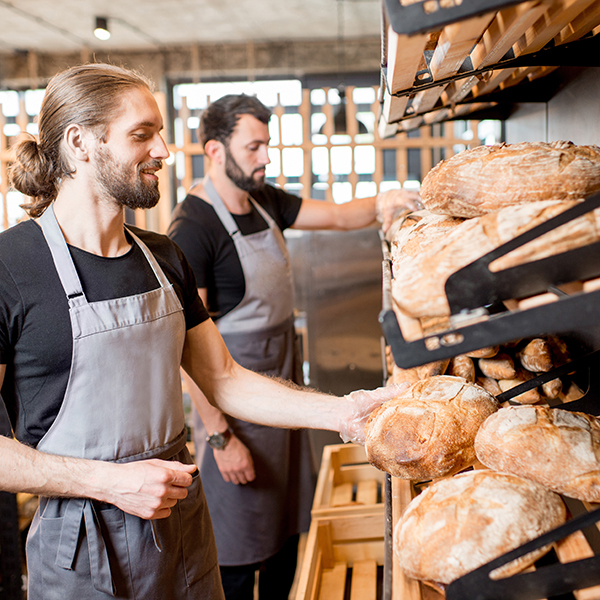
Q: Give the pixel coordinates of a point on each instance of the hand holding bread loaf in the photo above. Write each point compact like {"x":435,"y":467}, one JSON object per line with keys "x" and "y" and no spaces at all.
{"x":428,"y":430}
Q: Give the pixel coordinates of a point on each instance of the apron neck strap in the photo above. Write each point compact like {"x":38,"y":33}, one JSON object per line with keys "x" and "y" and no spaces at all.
{"x":225,"y":216}
{"x":60,"y":253}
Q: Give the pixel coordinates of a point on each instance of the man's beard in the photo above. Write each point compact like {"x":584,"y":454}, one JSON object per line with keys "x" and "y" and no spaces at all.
{"x":237,"y":176}
{"x":116,"y":181}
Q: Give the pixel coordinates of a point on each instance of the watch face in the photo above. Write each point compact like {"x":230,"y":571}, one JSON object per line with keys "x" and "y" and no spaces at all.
{"x":218,"y":441}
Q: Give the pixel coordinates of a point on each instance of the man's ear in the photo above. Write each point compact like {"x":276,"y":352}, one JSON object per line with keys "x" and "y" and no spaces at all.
{"x":78,"y":142}
{"x":215,"y":150}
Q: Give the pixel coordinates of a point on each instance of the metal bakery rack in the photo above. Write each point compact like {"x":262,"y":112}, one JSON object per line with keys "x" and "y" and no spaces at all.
{"x":479,"y":319}
{"x":457,"y":59}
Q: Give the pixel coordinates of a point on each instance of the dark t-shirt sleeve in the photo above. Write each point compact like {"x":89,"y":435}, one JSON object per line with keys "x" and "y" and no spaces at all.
{"x":11,"y":307}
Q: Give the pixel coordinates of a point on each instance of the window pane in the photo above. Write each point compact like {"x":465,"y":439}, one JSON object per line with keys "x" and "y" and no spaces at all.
{"x":320,"y":161}
{"x":341,"y":160}
{"x":293,"y":162}
{"x":291,"y":130}
{"x":364,"y":159}
{"x":273,"y":169}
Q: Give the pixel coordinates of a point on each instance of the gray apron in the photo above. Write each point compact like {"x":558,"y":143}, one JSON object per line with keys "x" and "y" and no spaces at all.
{"x":122,"y":403}
{"x":253,"y":521}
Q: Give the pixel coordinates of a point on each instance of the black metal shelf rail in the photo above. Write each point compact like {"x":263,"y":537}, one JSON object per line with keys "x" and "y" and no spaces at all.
{"x":475,"y":296}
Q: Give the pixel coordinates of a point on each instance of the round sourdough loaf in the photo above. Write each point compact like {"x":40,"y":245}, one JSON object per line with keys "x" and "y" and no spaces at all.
{"x":429,"y":429}
{"x":486,"y":178}
{"x":557,"y":448}
{"x":463,"y":522}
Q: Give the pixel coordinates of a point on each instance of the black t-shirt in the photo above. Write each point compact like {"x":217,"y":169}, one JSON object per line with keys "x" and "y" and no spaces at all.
{"x":35,"y":329}
{"x":198,"y":231}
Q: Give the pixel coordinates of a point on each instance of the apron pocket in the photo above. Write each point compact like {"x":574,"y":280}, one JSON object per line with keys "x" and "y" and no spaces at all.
{"x":198,"y":546}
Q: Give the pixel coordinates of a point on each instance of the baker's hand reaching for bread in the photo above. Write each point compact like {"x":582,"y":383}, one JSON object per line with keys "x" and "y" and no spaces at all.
{"x":359,"y":405}
{"x":393,"y":203}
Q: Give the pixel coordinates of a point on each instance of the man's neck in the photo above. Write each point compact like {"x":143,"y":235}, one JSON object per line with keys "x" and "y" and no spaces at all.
{"x":93,"y":225}
{"x":235,"y":199}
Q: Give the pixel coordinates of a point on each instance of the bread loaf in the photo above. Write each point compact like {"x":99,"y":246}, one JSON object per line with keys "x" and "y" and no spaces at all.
{"x":536,"y":356}
{"x":487,"y":178}
{"x":462,"y":522}
{"x":428,"y":430}
{"x":500,"y":366}
{"x":462,"y":366}
{"x":418,"y":287}
{"x":557,"y":448}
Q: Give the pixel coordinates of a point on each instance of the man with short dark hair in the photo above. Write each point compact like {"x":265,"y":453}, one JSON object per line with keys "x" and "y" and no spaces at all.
{"x":96,"y":319}
{"x":259,"y":480}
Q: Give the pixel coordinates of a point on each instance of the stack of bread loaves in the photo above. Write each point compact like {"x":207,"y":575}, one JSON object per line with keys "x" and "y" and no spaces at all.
{"x":481,"y":198}
{"x":449,"y":418}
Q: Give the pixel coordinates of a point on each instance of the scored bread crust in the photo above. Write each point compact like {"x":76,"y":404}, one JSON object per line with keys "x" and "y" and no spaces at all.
{"x":557,"y":448}
{"x":487,"y":178}
{"x":429,"y":429}
{"x":418,"y":286}
{"x":461,"y":523}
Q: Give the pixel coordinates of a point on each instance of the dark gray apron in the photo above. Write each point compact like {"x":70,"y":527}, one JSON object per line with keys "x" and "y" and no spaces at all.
{"x":252,"y":521}
{"x":122,"y":403}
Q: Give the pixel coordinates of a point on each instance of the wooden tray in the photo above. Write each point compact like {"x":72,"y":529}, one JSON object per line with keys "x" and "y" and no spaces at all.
{"x":343,"y":552}
{"x":347,"y":483}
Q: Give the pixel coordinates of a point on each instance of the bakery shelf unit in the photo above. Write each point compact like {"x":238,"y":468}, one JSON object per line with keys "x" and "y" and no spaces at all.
{"x":492,"y":308}
{"x":451,"y":59}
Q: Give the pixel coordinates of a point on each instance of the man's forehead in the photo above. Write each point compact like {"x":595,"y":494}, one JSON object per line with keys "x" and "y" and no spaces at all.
{"x":137,"y":109}
{"x":249,"y":125}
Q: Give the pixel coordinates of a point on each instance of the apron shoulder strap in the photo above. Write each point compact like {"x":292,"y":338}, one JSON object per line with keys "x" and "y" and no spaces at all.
{"x":60,"y":254}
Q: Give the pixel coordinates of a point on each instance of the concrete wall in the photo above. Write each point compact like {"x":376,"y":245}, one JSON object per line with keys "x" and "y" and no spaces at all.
{"x":572,"y":114}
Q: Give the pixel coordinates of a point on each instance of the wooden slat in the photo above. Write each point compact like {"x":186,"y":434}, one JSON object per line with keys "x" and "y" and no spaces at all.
{"x":508,"y":26}
{"x":333,"y":583}
{"x":403,"y":588}
{"x":393,"y":108}
{"x":342,"y":495}
{"x":366,"y":492}
{"x":455,"y":44}
{"x":364,"y":580}
{"x":404,"y":55}
{"x":505,"y":29}
{"x":575,"y":547}
{"x":557,"y":16}
{"x":581,"y":25}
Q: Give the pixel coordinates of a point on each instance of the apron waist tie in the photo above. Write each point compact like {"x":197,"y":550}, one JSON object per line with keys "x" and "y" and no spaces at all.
{"x":82,"y":509}
{"x":79,"y":509}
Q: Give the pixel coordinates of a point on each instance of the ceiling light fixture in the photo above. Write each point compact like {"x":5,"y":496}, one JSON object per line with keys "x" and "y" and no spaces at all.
{"x":101,"y":31}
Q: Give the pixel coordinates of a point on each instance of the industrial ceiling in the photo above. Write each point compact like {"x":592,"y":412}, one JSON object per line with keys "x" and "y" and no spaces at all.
{"x":55,"y":26}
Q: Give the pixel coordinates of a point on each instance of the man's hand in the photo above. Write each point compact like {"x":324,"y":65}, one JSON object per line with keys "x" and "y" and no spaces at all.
{"x":235,"y":462}
{"x":148,"y":488}
{"x":393,"y":203}
{"x":360,"y":405}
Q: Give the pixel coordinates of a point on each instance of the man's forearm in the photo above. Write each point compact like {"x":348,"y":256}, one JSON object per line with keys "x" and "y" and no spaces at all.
{"x":148,"y":489}
{"x":27,"y":470}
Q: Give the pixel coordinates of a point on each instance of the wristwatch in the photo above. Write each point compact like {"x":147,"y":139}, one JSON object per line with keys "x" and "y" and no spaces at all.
{"x":218,"y":441}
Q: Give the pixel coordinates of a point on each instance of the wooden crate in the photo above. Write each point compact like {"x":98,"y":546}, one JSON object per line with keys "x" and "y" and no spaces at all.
{"x":573,"y":547}
{"x":347,"y":483}
{"x":341,"y":552}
